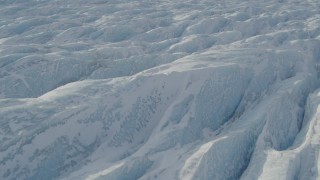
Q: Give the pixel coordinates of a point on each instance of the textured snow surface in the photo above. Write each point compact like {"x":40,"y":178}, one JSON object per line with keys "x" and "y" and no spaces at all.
{"x":141,"y":89}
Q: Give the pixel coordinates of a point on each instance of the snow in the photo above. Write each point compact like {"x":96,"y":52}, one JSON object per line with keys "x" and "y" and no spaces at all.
{"x":159,"y":89}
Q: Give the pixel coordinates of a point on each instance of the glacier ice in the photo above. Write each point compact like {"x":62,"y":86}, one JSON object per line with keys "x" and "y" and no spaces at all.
{"x":159,"y":89}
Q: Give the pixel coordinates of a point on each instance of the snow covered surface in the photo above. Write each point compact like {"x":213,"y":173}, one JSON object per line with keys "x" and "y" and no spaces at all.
{"x":140,"y":89}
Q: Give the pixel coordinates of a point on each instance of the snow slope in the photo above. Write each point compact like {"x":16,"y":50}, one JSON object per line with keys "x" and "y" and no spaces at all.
{"x":123,"y":90}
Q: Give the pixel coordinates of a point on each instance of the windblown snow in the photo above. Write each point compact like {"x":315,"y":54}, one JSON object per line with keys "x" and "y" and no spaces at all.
{"x":141,"y":89}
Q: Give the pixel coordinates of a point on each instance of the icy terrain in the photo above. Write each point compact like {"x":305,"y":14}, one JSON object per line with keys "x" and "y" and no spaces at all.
{"x":141,"y":89}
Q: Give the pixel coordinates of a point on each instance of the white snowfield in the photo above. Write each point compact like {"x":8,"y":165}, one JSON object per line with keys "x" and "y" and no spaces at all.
{"x":142,"y":89}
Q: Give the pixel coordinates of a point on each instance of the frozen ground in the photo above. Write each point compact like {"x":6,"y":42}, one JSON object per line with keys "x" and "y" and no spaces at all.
{"x":141,"y":89}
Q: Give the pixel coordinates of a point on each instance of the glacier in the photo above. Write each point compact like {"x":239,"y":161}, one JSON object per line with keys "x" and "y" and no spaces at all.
{"x":125,"y":90}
